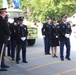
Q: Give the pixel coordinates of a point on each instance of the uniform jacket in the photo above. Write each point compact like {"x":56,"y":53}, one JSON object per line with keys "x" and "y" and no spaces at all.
{"x":65,"y":28}
{"x":13,"y":30}
{"x":21,"y":31}
{"x":46,"y":29}
{"x":4,"y":30}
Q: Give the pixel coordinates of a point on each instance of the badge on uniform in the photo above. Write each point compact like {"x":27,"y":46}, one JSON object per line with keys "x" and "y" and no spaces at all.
{"x":69,"y":26}
{"x":53,"y":26}
{"x":63,"y":26}
{"x":25,"y":28}
{"x":47,"y":25}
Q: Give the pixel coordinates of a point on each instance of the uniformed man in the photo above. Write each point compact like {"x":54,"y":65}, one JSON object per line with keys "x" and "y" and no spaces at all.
{"x":13,"y":37}
{"x":21,"y":40}
{"x":46,"y":34}
{"x":65,"y":32}
{"x":8,"y":42}
{"x":4,"y":33}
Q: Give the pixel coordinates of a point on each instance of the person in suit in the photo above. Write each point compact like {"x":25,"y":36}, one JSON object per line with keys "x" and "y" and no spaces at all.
{"x":21,"y":40}
{"x":54,"y":37}
{"x":9,"y":41}
{"x":46,"y":34}
{"x":13,"y":37}
{"x":64,"y":37}
{"x":4,"y":34}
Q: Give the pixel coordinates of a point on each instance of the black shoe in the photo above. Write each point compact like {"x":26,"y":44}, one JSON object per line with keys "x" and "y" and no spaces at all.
{"x":53,"y":56}
{"x":13,"y":59}
{"x":49,"y":53}
{"x":56,"y":56}
{"x":67,"y":58}
{"x":3,"y":69}
{"x":19,"y":58}
{"x":62,"y":59}
{"x":17,"y":62}
{"x":24,"y":61}
{"x":8,"y":55}
{"x":5,"y":66}
{"x":45,"y":53}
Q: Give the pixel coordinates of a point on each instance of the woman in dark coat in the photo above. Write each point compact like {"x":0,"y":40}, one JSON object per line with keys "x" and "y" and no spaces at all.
{"x":54,"y":37}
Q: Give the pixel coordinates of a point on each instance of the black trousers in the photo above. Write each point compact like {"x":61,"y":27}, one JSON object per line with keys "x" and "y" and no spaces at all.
{"x":23,"y":47}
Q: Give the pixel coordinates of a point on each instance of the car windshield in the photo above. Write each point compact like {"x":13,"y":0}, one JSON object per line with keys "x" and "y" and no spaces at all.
{"x":15,"y":14}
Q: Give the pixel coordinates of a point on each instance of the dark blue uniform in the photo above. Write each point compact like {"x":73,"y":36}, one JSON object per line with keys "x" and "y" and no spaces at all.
{"x":13,"y":39}
{"x":46,"y":32}
{"x":4,"y":33}
{"x":54,"y":35}
{"x":8,"y":42}
{"x":65,"y":28}
{"x":21,"y":42}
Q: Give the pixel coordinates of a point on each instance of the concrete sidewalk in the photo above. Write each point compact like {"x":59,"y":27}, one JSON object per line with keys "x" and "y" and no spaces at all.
{"x":40,"y":64}
{"x":14,"y":70}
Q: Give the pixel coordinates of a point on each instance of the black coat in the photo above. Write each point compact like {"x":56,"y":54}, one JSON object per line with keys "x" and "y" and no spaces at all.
{"x":8,"y":23}
{"x":21,"y":31}
{"x":46,"y":29}
{"x":54,"y":32}
{"x":13,"y":30}
{"x":4,"y":30}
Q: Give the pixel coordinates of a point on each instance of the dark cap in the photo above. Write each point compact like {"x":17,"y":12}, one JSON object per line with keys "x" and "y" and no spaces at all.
{"x":2,"y":9}
{"x":55,"y":19}
{"x":21,"y":18}
{"x":48,"y":17}
{"x":15,"y":19}
{"x":64,"y":16}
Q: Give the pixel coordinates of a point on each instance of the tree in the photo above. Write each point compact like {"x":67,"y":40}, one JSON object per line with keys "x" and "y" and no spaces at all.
{"x":0,"y":3}
{"x":54,"y":8}
{"x":41,"y":8}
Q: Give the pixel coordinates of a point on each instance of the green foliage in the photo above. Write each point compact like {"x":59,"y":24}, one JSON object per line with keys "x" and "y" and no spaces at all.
{"x":0,"y":3}
{"x":54,"y":8}
{"x":39,"y":9}
{"x":9,"y":3}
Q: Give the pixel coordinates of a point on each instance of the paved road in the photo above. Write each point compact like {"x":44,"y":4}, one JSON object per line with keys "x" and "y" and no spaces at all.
{"x":40,"y":64}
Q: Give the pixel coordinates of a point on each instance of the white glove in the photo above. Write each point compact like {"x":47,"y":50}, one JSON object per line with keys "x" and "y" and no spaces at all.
{"x":43,"y":35}
{"x":56,"y":36}
{"x":9,"y":38}
{"x":23,"y":38}
{"x":15,"y":23}
{"x":67,"y":35}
